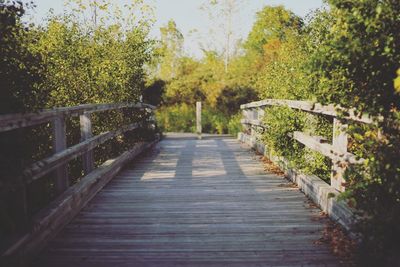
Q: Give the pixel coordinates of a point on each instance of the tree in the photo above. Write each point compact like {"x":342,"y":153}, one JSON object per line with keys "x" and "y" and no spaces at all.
{"x":20,"y":66}
{"x":354,"y":65}
{"x":223,"y":13}
{"x":64,"y":63}
{"x":272,"y":23}
{"x":358,"y":58}
{"x":171,"y":50}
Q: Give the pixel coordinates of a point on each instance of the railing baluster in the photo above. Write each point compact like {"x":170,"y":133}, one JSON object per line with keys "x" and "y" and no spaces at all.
{"x":86,"y":133}
{"x":339,"y":142}
{"x":60,"y":144}
{"x":21,"y":198}
{"x":198,"y":119}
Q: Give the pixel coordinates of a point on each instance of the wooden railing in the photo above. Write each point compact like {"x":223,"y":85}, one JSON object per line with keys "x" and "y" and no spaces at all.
{"x":253,"y":114}
{"x":46,"y":223}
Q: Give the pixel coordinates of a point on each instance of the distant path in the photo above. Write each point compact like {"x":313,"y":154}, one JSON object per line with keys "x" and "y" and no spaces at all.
{"x":193,"y":203}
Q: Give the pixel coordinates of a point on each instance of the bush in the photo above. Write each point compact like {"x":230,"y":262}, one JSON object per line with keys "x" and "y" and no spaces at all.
{"x":182,"y":118}
{"x":355,"y":65}
{"x":235,"y":125}
{"x":282,"y":121}
{"x":65,"y":63}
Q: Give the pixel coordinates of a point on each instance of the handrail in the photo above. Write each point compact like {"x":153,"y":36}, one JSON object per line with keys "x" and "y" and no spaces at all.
{"x":62,"y":154}
{"x":308,"y":106}
{"x":337,"y":151}
{"x":44,"y":166}
{"x":10,"y":122}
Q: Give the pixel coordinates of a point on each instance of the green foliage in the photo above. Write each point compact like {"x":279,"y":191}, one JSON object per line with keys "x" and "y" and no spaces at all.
{"x":232,"y":97}
{"x":202,"y":80}
{"x":397,"y":82}
{"x":213,"y":121}
{"x":235,"y":125}
{"x":176,"y":118}
{"x":171,"y":50}
{"x":20,"y":67}
{"x":182,"y":118}
{"x":284,"y":75}
{"x":354,"y":65}
{"x":152,"y":94}
{"x":272,"y":22}
{"x":282,"y":122}
{"x":358,"y":58}
{"x":70,"y":61}
{"x":104,"y":67}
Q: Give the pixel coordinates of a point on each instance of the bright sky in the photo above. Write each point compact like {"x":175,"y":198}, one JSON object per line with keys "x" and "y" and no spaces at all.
{"x":188,"y":17}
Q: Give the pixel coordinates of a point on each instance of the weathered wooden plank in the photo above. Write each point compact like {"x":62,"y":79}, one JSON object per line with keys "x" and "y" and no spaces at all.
{"x":60,"y":144}
{"x":49,"y":221}
{"x":257,"y":123}
{"x":198,"y":119}
{"x":42,"y":167}
{"x":318,"y":190}
{"x":225,"y":214}
{"x":339,"y":143}
{"x":86,"y":133}
{"x":331,"y":151}
{"x":329,"y":110}
{"x":20,"y":120}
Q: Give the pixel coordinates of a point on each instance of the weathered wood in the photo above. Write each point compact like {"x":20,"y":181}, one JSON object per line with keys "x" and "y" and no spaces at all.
{"x":257,"y":123}
{"x":20,"y":120}
{"x":49,"y":221}
{"x":329,"y":110}
{"x":193,"y":203}
{"x":328,"y":150}
{"x":319,"y":191}
{"x":21,"y":204}
{"x":198,"y":119}
{"x":86,"y":133}
{"x":339,"y":143}
{"x":60,"y":144}
{"x":42,"y":167}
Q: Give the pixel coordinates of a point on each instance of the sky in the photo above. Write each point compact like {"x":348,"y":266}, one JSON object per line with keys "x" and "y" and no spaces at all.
{"x":193,"y":22}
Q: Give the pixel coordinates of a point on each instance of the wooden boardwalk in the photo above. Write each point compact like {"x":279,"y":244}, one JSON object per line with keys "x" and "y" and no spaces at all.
{"x":193,"y":203}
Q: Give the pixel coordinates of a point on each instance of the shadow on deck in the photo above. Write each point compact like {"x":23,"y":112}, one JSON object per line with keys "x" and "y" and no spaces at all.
{"x":191,"y":202}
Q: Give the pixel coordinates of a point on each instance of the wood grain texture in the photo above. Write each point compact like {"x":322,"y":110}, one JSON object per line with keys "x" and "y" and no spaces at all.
{"x":52,"y":219}
{"x":40,"y":168}
{"x":193,"y":202}
{"x":329,"y":110}
{"x":314,"y":187}
{"x":10,"y":122}
{"x":334,"y":151}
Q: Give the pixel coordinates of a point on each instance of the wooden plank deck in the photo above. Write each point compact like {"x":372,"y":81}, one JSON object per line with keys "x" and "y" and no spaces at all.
{"x":193,"y":203}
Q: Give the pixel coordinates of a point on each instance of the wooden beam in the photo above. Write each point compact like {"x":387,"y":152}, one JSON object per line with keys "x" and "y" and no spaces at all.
{"x":59,"y":145}
{"x":44,"y":166}
{"x":20,"y":120}
{"x":49,"y":221}
{"x":198,"y":119}
{"x":314,"y":143}
{"x":329,"y":110}
{"x":253,"y":122}
{"x":86,"y":133}
{"x":339,"y":143}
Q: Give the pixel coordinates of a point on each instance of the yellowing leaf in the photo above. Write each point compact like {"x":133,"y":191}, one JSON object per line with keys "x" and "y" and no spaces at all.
{"x":397,"y":82}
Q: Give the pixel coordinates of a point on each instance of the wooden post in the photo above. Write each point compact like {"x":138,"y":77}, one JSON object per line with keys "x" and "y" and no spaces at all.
{"x":60,"y":144}
{"x":86,"y":133}
{"x":261,"y":114}
{"x":198,"y":119}
{"x":20,"y":197}
{"x":254,"y":116}
{"x":339,"y":142}
{"x":245,"y":115}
